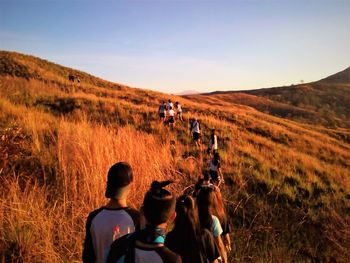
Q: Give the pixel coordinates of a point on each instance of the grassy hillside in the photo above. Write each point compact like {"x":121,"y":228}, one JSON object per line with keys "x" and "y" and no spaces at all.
{"x":287,"y":192}
{"x":325,"y":102}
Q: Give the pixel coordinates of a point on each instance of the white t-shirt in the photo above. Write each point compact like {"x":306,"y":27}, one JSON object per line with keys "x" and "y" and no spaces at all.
{"x":170,"y":104}
{"x":179,"y":109}
{"x":171,"y":113}
{"x":195,"y":127}
{"x":105,"y":225}
{"x":213,"y":146}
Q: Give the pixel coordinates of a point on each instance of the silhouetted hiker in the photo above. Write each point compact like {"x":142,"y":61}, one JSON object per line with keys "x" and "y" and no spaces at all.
{"x":196,"y":132}
{"x":193,"y":243}
{"x":171,"y":119}
{"x":71,"y":78}
{"x":213,"y":143}
{"x":170,"y":104}
{"x":214,"y":169}
{"x":162,"y":111}
{"x":203,"y":182}
{"x":205,"y":199}
{"x":147,"y":245}
{"x":112,"y":221}
{"x":178,"y":110}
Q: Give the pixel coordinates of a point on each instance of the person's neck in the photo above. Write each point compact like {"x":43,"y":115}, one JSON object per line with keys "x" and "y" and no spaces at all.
{"x":117,"y":203}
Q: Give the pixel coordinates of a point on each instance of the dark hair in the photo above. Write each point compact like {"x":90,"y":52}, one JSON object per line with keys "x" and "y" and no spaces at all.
{"x":159,"y":203}
{"x":216,"y":158}
{"x":119,"y":176}
{"x":218,"y":208}
{"x":187,"y":230}
{"x":209,"y":201}
{"x":205,"y":200}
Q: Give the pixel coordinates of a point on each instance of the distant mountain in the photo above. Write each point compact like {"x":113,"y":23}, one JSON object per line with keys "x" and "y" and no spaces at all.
{"x":188,"y":92}
{"x":323,"y":102}
{"x":342,"y":77}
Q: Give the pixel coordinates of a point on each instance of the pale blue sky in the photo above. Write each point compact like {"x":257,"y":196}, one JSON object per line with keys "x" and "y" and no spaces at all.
{"x":185,"y":45}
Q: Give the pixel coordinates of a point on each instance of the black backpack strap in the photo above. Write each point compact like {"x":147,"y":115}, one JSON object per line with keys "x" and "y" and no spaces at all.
{"x":123,"y":246}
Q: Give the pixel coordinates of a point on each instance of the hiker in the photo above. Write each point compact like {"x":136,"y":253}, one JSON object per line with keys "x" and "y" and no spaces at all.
{"x":195,"y":129}
{"x":178,"y":111}
{"x":205,"y":199}
{"x":215,"y":169}
{"x":112,"y":221}
{"x":203,"y":182}
{"x":213,"y":143}
{"x":162,"y":111}
{"x":170,"y":104}
{"x":188,"y":238}
{"x":171,"y":118}
{"x":218,"y":209}
{"x":147,"y":245}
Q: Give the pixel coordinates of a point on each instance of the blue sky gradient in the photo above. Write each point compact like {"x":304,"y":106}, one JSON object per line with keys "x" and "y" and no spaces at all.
{"x":185,"y":45}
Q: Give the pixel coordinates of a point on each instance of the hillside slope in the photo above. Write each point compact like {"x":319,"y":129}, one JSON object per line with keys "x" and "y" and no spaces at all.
{"x":323,"y":102}
{"x":287,"y":186}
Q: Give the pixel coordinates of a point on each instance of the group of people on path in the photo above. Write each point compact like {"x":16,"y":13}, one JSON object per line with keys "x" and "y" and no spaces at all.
{"x":167,"y":112}
{"x":117,"y":233}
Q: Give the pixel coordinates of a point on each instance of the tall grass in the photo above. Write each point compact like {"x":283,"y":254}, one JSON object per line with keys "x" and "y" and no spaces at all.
{"x":45,"y":223}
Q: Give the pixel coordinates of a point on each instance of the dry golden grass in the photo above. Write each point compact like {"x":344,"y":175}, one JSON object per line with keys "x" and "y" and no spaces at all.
{"x":287,"y":190}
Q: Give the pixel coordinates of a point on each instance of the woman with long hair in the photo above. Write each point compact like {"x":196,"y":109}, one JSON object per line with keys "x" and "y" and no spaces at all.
{"x":206,"y":201}
{"x":188,"y":238}
{"x":218,"y":210}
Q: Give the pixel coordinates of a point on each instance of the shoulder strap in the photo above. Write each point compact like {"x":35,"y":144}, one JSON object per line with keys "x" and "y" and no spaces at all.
{"x":123,"y":246}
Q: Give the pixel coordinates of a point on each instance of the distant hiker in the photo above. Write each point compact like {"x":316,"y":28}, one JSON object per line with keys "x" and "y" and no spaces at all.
{"x":215,"y":169}
{"x":71,"y":78}
{"x":170,"y":104}
{"x":203,"y":182}
{"x":147,"y":245}
{"x":213,"y":143}
{"x":178,"y":110}
{"x":205,"y":199}
{"x":171,"y":118}
{"x":195,"y":129}
{"x":162,"y":111}
{"x":112,"y":221}
{"x":188,"y":238}
{"x":78,"y":79}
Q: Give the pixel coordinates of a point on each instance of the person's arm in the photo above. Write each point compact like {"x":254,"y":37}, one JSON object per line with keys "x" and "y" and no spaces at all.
{"x":88,"y":249}
{"x":227,"y":242}
{"x":221,"y":248}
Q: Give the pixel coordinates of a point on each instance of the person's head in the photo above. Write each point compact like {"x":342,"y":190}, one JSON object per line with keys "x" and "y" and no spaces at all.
{"x":163,"y":102}
{"x":205,"y":200}
{"x":177,"y":103}
{"x":213,"y":131}
{"x":159,"y":204}
{"x":169,"y":100}
{"x":216,"y":156}
{"x":170,"y":108}
{"x":186,"y":221}
{"x":119,"y":178}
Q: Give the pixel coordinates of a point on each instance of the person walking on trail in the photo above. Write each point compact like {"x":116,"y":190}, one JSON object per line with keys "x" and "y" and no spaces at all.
{"x":112,"y":221}
{"x":148,"y":245}
{"x":218,"y":209}
{"x":171,"y":118}
{"x":162,"y":111}
{"x":178,"y":111}
{"x":213,"y":143}
{"x":205,"y":199}
{"x":170,"y":104}
{"x":193,"y":243}
{"x":215,"y":169}
{"x":196,"y":132}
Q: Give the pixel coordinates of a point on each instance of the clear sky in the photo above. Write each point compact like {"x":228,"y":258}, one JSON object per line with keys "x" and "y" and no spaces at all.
{"x":173,"y":46}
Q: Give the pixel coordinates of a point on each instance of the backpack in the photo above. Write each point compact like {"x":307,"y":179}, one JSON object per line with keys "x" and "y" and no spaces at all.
{"x":126,"y":249}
